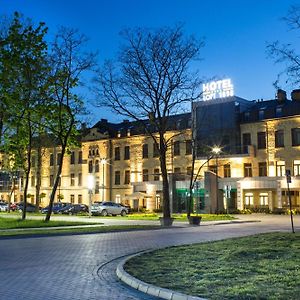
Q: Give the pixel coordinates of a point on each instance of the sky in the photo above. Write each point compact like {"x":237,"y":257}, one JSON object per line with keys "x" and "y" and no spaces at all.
{"x":236,"y":33}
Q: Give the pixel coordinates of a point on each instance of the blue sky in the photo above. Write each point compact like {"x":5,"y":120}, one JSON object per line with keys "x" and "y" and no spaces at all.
{"x":235,"y":31}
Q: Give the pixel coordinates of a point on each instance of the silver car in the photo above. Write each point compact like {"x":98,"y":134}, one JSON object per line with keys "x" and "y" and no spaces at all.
{"x":108,"y":208}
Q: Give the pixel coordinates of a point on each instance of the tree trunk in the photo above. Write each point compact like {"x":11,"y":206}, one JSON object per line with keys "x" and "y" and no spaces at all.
{"x":163,"y":166}
{"x":38,"y":178}
{"x":56,"y":183}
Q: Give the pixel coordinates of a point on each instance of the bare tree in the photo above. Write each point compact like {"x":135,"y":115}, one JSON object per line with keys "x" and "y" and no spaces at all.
{"x":285,"y":53}
{"x":150,"y":81}
{"x":69,"y":61}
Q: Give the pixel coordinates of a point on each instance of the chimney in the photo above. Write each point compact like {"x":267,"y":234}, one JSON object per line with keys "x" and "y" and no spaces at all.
{"x":281,"y":95}
{"x":295,"y":95}
{"x":125,"y":121}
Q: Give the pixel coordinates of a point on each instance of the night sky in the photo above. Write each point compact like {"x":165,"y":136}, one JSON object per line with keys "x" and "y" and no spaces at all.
{"x":236,"y":33}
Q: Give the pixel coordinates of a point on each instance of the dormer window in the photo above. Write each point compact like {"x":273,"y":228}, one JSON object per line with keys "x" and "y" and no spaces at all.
{"x":261,"y":114}
{"x":119,"y":134}
{"x":278,"y":111}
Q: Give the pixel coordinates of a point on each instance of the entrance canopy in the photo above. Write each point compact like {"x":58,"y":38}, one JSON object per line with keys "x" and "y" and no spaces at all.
{"x":137,"y":195}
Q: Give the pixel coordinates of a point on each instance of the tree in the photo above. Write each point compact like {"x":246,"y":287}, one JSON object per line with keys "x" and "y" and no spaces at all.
{"x":150,"y":81}
{"x":285,"y":54}
{"x":23,"y":82}
{"x":69,"y":61}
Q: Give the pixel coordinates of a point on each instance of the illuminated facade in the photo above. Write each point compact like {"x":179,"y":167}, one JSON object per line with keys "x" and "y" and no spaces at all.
{"x":260,"y":140}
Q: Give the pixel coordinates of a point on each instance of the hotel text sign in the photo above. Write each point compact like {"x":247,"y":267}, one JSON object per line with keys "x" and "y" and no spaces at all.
{"x":217,"y":89}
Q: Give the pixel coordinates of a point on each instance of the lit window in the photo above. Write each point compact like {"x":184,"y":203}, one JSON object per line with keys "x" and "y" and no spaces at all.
{"x":280,"y":168}
{"x":263,"y":199}
{"x":249,"y":199}
{"x":296,"y":167}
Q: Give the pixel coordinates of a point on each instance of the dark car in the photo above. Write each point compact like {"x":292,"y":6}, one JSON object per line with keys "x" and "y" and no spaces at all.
{"x":55,"y":208}
{"x":74,"y":209}
{"x":29,"y":207}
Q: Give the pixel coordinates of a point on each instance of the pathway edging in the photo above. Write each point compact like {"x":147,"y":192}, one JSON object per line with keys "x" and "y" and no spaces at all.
{"x":147,"y":288}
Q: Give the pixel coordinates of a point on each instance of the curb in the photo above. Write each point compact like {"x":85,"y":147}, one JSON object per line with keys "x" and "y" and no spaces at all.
{"x":147,"y":288}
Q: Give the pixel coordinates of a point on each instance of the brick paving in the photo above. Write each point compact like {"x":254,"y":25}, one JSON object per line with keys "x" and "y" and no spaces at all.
{"x":82,"y":267}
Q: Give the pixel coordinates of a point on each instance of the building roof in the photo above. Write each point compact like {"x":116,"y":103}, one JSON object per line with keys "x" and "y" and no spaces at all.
{"x":175,"y":122}
{"x":270,"y":109}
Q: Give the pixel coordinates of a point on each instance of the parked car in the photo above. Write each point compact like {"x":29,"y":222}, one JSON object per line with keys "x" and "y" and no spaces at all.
{"x":55,"y":208}
{"x":14,"y":206}
{"x":108,"y":208}
{"x":128,"y":207}
{"x":73,"y":209}
{"x":3,"y":206}
{"x":29,"y":207}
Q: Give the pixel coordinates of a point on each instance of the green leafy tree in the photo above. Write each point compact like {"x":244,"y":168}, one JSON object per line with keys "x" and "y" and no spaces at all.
{"x":23,"y":80}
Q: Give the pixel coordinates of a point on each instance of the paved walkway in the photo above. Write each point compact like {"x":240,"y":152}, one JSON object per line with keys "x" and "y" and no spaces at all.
{"x":82,"y":267}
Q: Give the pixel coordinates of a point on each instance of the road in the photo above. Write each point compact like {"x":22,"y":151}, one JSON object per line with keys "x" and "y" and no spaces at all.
{"x":83,"y":266}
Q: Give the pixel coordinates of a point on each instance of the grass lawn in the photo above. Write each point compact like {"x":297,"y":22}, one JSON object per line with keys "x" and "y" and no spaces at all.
{"x":178,"y":217}
{"x":80,"y":230}
{"x":265,"y":266}
{"x":12,"y":223}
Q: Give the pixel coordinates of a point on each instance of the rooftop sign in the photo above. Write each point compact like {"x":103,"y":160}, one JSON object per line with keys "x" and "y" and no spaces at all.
{"x":217,"y":89}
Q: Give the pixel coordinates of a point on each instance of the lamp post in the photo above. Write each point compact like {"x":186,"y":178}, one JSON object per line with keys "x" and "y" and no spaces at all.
{"x":216,"y":151}
{"x":90,"y":185}
{"x":103,"y":162}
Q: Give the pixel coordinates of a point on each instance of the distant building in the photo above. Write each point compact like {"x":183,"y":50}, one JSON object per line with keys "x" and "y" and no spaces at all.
{"x":259,"y":141}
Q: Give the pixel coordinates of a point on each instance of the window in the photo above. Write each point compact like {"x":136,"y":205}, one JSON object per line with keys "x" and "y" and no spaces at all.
{"x":72,"y":199}
{"x":261,"y":114}
{"x":263,"y":199}
{"x":279,"y":138}
{"x":188,"y":147}
{"x":127,"y":177}
{"x":249,"y":199}
{"x":177,"y":170}
{"x":247,"y":116}
{"x":262,"y":169}
{"x":90,"y":166}
{"x":117,"y":177}
{"x":97,"y":187}
{"x":117,"y":153}
{"x":155,"y":150}
{"x":79,"y":179}
{"x":51,"y":159}
{"x":32,"y":181}
{"x":213,"y":169}
{"x":189,"y":171}
{"x":80,"y":157}
{"x":118,"y":198}
{"x":145,"y":175}
{"x":126,"y":152}
{"x":246,"y":141}
{"x":58,"y":158}
{"x":156,"y":174}
{"x":176,"y":148}
{"x":280,"y":168}
{"x":145,"y":151}
{"x":79,"y":199}
{"x":296,"y":167}
{"x":51,"y":180}
{"x":33,"y":161}
{"x":278,"y":111}
{"x":97,"y":166}
{"x":261,"y":140}
{"x":72,"y":179}
{"x":72,"y":158}
{"x":248,"y":170}
{"x":227,"y":170}
{"x":295,"y":136}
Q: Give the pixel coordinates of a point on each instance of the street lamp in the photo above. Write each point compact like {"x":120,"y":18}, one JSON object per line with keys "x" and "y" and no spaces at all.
{"x":103,"y":163}
{"x":90,"y":185}
{"x":216,"y":151}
